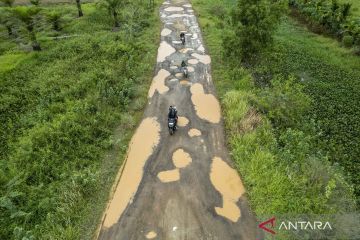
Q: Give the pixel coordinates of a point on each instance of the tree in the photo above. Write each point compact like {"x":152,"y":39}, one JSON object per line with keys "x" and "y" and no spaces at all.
{"x":6,"y":20}
{"x":8,"y":3}
{"x":253,"y":22}
{"x":27,"y":16}
{"x":54,"y":18}
{"x":78,"y":4}
{"x":35,"y":2}
{"x":113,"y":7}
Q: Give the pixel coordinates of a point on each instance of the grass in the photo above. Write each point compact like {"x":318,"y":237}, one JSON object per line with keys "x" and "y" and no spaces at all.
{"x":11,"y":60}
{"x":67,"y":114}
{"x":288,"y":161}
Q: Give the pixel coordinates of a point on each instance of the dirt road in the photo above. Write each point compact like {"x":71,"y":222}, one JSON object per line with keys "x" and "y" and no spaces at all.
{"x":180,"y":186}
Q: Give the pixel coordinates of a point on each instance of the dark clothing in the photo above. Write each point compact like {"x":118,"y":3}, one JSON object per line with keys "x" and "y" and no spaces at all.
{"x":172,"y":113}
{"x":183,"y":64}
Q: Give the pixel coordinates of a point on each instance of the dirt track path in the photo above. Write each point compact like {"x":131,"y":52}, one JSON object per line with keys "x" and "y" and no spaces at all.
{"x":180,"y":186}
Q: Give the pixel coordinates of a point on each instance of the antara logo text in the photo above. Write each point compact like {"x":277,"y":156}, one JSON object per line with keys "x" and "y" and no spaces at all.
{"x":270,"y":225}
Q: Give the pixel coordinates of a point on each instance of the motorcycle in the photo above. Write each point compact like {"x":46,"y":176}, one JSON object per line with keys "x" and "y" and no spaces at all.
{"x":185,"y":71}
{"x":172,"y":125}
{"x":182,"y":38}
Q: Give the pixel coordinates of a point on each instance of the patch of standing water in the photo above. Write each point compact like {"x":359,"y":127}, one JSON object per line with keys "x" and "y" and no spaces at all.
{"x":227,"y":181}
{"x":194,"y":132}
{"x":164,"y":51}
{"x":205,"y":59}
{"x":193,"y":61}
{"x":158,"y":83}
{"x":202,"y":103}
{"x":151,"y":235}
{"x":182,"y":121}
{"x":174,"y":9}
{"x":169,"y":176}
{"x":181,"y":158}
{"x":142,"y":145}
{"x":165,"y":32}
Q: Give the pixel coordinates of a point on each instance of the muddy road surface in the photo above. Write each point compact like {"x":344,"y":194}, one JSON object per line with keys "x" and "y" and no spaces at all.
{"x":181,"y":186}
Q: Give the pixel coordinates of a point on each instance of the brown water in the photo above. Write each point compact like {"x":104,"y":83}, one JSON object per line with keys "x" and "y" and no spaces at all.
{"x":205,"y":59}
{"x":185,"y":50}
{"x":164,"y":51}
{"x":193,"y":61}
{"x":194,"y":132}
{"x":165,"y":32}
{"x":174,"y":9}
{"x":206,"y":105}
{"x":142,"y":144}
{"x":227,"y":181}
{"x":151,"y":235}
{"x":182,"y":121}
{"x":181,"y":158}
{"x":184,"y":82}
{"x":169,"y":176}
{"x":158,"y":83}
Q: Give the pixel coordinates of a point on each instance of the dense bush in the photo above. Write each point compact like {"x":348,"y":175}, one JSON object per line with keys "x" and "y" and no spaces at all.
{"x":332,"y":15}
{"x":253,"y":23}
{"x":58,"y":110}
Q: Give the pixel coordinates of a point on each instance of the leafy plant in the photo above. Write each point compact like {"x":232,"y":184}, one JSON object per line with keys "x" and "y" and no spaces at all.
{"x":54,"y":18}
{"x":27,"y":15}
{"x":113,"y":7}
{"x":8,"y":3}
{"x":254,"y":23}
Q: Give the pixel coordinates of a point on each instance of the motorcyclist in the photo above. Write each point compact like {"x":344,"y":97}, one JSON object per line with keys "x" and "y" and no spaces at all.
{"x":173,"y":114}
{"x":182,"y":38}
{"x":184,"y":68}
{"x":183,"y":64}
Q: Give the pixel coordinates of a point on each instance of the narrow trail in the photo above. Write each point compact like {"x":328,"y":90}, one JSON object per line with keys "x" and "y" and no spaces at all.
{"x":180,"y":186}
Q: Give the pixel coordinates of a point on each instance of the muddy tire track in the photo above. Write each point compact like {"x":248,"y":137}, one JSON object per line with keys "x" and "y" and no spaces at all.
{"x":181,"y":186}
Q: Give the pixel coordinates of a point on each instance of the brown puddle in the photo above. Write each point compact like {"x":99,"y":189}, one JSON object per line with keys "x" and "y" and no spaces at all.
{"x":174,"y":9}
{"x":206,"y":105}
{"x":205,"y":59}
{"x":181,"y":158}
{"x":165,"y":32}
{"x":179,"y":75}
{"x":184,"y":82}
{"x":164,"y":51}
{"x":185,"y":50}
{"x":169,"y":176}
{"x":227,"y":181}
{"x":194,"y":132}
{"x":142,"y":144}
{"x":158,"y":83}
{"x":182,"y":121}
{"x":193,"y":61}
{"x":151,"y":235}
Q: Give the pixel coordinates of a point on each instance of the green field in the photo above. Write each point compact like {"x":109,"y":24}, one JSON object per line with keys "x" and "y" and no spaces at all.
{"x":67,"y":114}
{"x":290,"y":141}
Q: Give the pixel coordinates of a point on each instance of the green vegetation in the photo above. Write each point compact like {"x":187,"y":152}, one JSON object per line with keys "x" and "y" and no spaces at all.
{"x":62,"y":109}
{"x":253,"y":23}
{"x":292,"y":119}
{"x":329,"y":16}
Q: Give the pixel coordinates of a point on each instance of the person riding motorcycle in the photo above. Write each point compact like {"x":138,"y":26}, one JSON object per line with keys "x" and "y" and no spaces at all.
{"x":182,"y":38}
{"x":184,"y":68}
{"x":173,"y":114}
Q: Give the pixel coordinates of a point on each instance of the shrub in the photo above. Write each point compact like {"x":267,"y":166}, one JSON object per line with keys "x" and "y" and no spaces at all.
{"x":348,"y":41}
{"x":284,"y":102}
{"x":253,"y":25}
